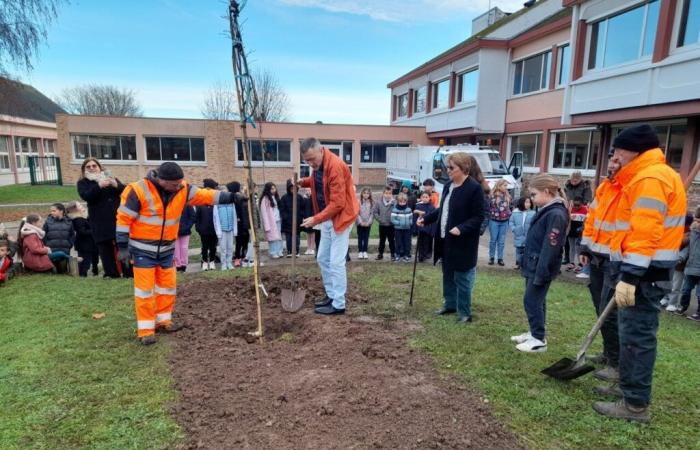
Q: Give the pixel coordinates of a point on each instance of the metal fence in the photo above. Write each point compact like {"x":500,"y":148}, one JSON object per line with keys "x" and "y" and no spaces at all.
{"x":45,"y":170}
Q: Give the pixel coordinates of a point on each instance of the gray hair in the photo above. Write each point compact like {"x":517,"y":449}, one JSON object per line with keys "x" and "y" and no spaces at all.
{"x":309,"y":143}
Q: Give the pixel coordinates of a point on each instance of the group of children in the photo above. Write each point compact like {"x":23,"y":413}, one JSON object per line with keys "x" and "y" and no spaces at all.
{"x":46,"y":245}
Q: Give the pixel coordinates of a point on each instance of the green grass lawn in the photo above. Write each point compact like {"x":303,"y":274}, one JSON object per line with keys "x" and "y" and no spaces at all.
{"x":70,"y":381}
{"x":25,"y":193}
{"x":547,"y":414}
{"x":373,"y":232}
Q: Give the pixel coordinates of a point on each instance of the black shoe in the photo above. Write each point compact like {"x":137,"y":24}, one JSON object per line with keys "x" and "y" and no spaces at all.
{"x":379,"y":257}
{"x":465,"y":319}
{"x":444,"y":311}
{"x":328,"y":310}
{"x":324,"y":302}
{"x":490,"y":261}
{"x":501,"y":263}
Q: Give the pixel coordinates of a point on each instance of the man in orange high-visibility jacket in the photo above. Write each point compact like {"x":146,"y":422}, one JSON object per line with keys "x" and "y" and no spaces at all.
{"x":649,"y":227}
{"x":598,"y":230}
{"x":147,"y":224}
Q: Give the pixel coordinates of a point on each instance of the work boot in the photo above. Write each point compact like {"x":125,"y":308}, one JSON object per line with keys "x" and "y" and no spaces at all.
{"x":148,"y":340}
{"x":490,"y":261}
{"x":608,"y":373}
{"x":173,"y":327}
{"x":622,"y":410}
{"x":609,"y":391}
{"x":323,"y":302}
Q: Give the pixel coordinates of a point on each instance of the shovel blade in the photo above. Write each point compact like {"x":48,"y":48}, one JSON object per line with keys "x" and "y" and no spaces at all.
{"x":293,"y":299}
{"x":568,"y":369}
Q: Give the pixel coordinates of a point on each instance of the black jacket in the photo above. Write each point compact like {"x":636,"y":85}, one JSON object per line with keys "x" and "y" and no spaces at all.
{"x":102,"y":204}
{"x":60,"y":234}
{"x":582,"y":190}
{"x":545,"y":239}
{"x":84,"y":242}
{"x":204,"y":220}
{"x":186,"y":221}
{"x":242,"y":213}
{"x":286,"y":211}
{"x":466,"y":211}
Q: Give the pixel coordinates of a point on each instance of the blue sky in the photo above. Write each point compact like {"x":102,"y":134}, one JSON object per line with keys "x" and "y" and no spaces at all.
{"x":333,"y":57}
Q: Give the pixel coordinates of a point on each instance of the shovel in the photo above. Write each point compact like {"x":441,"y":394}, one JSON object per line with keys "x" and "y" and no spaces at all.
{"x":293,"y":299}
{"x":567,"y":369}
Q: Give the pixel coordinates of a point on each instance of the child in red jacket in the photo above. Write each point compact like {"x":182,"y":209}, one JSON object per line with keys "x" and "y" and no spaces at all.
{"x":5,"y":262}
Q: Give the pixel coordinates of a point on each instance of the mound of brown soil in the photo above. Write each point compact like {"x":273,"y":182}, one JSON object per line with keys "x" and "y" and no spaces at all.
{"x":339,"y":382}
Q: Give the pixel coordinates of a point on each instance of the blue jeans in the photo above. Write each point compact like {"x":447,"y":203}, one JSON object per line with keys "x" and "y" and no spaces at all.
{"x":403,"y":243}
{"x":363,"y":238}
{"x":535,"y":305}
{"x":497,"y":230}
{"x":689,"y":283}
{"x":638,"y":325}
{"x":57,"y":255}
{"x":331,"y":260}
{"x":457,"y":290}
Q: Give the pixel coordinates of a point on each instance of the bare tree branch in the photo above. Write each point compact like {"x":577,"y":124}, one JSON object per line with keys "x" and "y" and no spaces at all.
{"x":103,"y":100}
{"x":22,"y":29}
{"x":220,"y":102}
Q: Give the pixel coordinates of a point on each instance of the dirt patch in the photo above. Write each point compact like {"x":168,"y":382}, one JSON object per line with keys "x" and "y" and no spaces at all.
{"x":317,"y":382}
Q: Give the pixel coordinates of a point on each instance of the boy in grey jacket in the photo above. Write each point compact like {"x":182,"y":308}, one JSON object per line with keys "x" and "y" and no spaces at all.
{"x":382,"y":213}
{"x":692,"y":268}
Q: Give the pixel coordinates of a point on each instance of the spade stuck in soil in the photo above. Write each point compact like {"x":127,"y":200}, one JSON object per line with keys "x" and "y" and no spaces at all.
{"x":293,"y":299}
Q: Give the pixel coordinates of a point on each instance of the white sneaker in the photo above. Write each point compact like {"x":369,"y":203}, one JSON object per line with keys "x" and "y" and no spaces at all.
{"x":310,"y":252}
{"x":205,"y":266}
{"x":212,"y":265}
{"x":664,"y":301}
{"x":673,"y":308}
{"x":364,"y":255}
{"x":519,"y":339}
{"x":532,"y":345}
{"x":582,"y":275}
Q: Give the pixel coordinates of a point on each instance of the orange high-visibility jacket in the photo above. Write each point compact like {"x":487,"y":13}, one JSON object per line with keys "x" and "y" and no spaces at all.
{"x":148,"y":218}
{"x":650,"y":216}
{"x":599,"y":227}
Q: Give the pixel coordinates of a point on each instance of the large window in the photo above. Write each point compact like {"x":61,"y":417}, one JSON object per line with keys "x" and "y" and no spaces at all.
{"x":689,"y":32}
{"x":4,"y":153}
{"x":529,"y":145}
{"x":532,"y":74}
{"x":467,"y":84}
{"x":402,"y":106}
{"x":419,"y":97}
{"x":161,"y":148}
{"x":576,"y":150}
{"x":275,"y":151}
{"x":375,"y":152}
{"x":564,"y":64}
{"x":441,"y":94}
{"x":116,"y":148}
{"x":624,"y":37}
{"x":24,"y":147}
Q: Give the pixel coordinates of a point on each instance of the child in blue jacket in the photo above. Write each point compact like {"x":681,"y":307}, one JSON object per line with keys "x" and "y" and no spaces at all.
{"x":520,"y":222}
{"x":402,"y":219}
{"x":542,"y":258}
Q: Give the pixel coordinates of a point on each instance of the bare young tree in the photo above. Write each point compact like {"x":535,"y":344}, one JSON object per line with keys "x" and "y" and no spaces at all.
{"x":273,"y":102}
{"x":22,"y":28}
{"x":220,"y":102}
{"x":104,"y":100}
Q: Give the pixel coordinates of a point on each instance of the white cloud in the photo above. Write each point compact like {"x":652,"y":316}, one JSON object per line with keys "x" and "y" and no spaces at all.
{"x":408,"y":10}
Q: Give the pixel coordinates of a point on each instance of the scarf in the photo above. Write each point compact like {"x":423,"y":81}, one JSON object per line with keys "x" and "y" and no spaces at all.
{"x":95,"y":176}
{"x":28,"y":229}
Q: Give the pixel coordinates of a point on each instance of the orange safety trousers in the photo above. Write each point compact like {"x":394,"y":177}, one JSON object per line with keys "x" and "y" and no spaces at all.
{"x":154,"y":297}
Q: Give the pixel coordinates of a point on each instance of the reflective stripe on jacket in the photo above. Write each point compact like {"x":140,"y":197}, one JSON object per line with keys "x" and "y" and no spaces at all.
{"x":148,"y":218}
{"x":599,"y":226}
{"x":650,"y":217}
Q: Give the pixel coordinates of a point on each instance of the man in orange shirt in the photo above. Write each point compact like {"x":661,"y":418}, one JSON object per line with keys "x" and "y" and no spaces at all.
{"x":429,"y":187}
{"x":335,"y":207}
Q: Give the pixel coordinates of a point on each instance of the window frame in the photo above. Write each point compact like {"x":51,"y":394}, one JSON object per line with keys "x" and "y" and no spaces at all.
{"x":544,"y":69}
{"x":590,"y":23}
{"x":402,"y":99}
{"x":21,"y":155}
{"x":267,"y":163}
{"x":459,"y":88}
{"x":677,"y":24}
{"x":436,"y":92}
{"x":181,"y":162}
{"x":77,"y":160}
{"x":6,"y":154}
{"x":379,"y":165}
{"x":560,"y":58}
{"x":538,"y":151}
{"x":552,"y":150}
